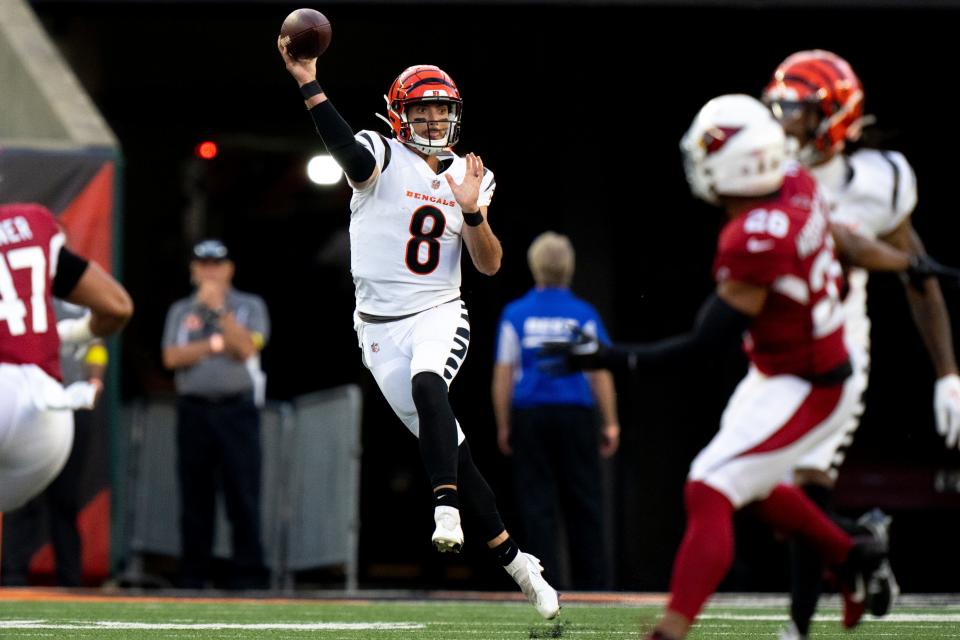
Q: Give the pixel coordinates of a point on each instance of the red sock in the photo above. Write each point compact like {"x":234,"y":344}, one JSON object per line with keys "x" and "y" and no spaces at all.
{"x":789,"y":510}
{"x":706,"y":552}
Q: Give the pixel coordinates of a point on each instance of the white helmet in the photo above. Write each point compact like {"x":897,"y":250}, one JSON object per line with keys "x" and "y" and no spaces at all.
{"x":735,"y":147}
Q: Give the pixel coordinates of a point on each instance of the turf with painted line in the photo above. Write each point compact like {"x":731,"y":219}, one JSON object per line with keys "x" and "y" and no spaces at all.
{"x":391,"y":620}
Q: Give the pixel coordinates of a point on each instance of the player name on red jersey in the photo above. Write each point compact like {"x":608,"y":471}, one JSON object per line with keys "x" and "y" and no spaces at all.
{"x":14,"y":230}
{"x":810,"y":237}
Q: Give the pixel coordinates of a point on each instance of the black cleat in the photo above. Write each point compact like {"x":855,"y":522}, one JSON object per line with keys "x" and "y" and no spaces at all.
{"x":882,"y":588}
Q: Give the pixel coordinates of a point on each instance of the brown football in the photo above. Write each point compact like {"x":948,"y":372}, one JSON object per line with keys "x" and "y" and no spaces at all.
{"x":306,"y":33}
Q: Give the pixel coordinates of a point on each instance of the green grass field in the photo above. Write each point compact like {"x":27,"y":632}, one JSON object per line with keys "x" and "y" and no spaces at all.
{"x":182,"y":619}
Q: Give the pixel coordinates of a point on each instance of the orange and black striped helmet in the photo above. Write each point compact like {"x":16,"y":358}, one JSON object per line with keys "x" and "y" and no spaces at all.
{"x":423,"y":83}
{"x":826,"y":82}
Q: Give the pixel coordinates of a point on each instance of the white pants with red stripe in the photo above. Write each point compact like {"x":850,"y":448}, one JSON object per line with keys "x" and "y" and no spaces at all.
{"x":434,"y":340}
{"x":35,"y":439}
{"x":769,"y":425}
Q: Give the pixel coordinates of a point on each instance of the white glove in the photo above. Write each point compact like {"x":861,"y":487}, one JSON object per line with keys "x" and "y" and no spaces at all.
{"x":946,"y":406}
{"x":82,"y":395}
{"x":75,"y":330}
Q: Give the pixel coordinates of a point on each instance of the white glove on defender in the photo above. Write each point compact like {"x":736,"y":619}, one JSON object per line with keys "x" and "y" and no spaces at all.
{"x":75,"y":330}
{"x":946,"y":406}
{"x":82,"y":395}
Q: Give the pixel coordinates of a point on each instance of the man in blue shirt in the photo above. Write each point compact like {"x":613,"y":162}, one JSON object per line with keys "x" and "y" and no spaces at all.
{"x":549,"y":424}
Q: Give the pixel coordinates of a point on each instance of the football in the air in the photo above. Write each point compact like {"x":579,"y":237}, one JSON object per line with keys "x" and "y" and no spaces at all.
{"x":305,"y":33}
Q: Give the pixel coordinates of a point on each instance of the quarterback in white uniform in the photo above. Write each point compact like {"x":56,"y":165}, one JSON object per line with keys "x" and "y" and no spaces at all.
{"x":819,"y":100}
{"x":415,"y":203}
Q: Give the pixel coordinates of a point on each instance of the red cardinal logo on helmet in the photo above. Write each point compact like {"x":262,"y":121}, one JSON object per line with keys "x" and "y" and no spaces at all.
{"x":716,"y":137}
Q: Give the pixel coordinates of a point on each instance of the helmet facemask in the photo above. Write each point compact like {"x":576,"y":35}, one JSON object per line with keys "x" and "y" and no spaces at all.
{"x":806,"y":128}
{"x":819,"y":140}
{"x":424,"y":141}
{"x":825,"y":86}
{"x":418,"y":86}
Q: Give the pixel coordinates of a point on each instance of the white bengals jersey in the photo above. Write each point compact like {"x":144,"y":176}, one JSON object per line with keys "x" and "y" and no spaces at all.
{"x":405,"y":230}
{"x":872,"y":192}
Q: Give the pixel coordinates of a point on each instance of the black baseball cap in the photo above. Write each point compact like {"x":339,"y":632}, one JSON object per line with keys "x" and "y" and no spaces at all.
{"x":210,"y":249}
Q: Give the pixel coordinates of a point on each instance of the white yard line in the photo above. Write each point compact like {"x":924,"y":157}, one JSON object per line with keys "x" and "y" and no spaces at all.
{"x":111,"y":624}
{"x":893,"y":617}
{"x":407,"y":626}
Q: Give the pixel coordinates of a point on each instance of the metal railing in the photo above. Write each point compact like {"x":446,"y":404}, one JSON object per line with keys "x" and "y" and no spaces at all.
{"x":310,"y":487}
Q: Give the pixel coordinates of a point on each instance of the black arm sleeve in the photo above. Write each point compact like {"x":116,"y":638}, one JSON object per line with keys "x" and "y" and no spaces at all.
{"x":357,"y":162}
{"x":70,"y":268}
{"x":717,"y":326}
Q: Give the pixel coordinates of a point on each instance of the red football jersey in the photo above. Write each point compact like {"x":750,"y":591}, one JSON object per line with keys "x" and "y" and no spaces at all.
{"x":30,"y":243}
{"x":785,"y":244}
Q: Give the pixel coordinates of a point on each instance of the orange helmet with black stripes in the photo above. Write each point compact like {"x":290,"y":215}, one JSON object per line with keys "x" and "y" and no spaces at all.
{"x":825,"y":83}
{"x":417,"y":84}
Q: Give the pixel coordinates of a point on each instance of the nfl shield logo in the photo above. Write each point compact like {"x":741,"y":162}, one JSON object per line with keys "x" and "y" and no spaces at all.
{"x":436,"y":183}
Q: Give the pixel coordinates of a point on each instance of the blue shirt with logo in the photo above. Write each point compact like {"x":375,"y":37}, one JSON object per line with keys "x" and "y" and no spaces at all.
{"x":544,"y":315}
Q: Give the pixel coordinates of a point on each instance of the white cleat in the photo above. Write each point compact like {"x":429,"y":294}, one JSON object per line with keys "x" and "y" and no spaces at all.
{"x":525,"y":570}
{"x":790,"y":633}
{"x":448,"y":536}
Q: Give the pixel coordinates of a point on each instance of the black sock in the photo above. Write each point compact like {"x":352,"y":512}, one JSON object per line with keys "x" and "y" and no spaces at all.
{"x":806,"y":583}
{"x":506,"y":551}
{"x":807,"y":568}
{"x":446,"y":497}
{"x":479,"y":504}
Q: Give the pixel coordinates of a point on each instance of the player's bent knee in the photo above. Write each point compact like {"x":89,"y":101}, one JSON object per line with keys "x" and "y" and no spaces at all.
{"x":430,"y":393}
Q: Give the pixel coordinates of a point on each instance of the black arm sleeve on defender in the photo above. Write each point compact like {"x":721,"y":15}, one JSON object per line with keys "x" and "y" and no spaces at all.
{"x":70,"y":268}
{"x":355,"y":160}
{"x":717,"y":325}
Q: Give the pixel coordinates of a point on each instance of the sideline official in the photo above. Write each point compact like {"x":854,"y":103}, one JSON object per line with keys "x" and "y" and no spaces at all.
{"x":212,"y":340}
{"x":555,"y":428}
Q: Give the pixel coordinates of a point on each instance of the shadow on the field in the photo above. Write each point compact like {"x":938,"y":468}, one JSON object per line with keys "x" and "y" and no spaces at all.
{"x":556,"y":631}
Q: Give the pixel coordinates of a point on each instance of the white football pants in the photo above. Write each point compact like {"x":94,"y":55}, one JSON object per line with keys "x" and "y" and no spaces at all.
{"x":433,"y":340}
{"x":769,"y":425}
{"x":35,"y":440}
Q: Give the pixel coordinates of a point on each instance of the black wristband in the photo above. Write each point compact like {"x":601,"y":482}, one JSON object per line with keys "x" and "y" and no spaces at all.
{"x":310,"y":89}
{"x":474,"y":219}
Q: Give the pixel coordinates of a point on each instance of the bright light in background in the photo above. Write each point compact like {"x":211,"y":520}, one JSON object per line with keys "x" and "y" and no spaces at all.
{"x":324,"y":170}
{"x":207,"y":150}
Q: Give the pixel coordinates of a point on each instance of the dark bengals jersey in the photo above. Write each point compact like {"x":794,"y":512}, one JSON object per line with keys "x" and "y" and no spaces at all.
{"x":30,"y":243}
{"x":785,"y":244}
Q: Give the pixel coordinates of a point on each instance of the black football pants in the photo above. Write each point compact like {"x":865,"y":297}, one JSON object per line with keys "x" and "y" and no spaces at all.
{"x":556,"y":463}
{"x":218,"y":445}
